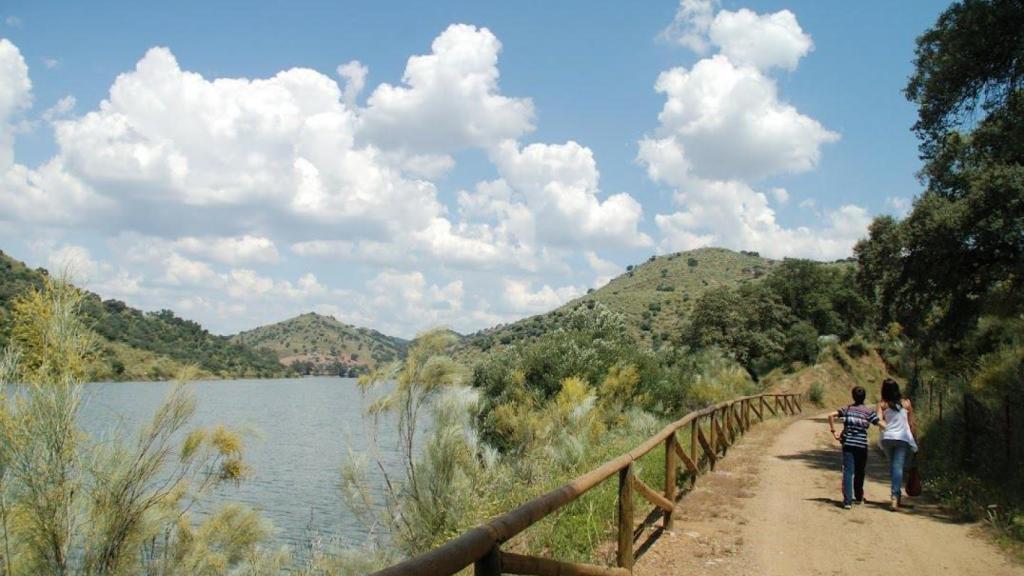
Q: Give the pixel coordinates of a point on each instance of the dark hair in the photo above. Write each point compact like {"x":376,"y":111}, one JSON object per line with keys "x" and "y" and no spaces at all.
{"x":891,"y":394}
{"x":859,"y":394}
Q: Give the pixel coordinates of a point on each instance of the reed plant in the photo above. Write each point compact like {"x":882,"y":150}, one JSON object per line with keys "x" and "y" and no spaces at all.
{"x":123,"y":504}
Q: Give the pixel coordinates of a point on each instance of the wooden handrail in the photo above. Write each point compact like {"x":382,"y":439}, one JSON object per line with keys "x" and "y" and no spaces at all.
{"x":480,"y":546}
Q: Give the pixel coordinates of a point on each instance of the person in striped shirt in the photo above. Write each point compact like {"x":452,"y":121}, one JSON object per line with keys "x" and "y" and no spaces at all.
{"x":856,"y":418}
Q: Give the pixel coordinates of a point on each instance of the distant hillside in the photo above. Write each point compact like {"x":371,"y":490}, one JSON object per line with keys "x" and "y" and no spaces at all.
{"x":137,"y":345}
{"x":316,"y":344}
{"x":656,"y":297}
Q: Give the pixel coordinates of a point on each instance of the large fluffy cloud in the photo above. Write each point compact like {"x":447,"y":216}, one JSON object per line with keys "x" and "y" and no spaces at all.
{"x":559,"y":183}
{"x":15,"y":96}
{"x":450,"y":99}
{"x":745,"y":37}
{"x":199,"y":187}
{"x":724,"y":128}
{"x":728,"y":122}
{"x":286,"y":144}
{"x":761,"y":40}
{"x":33,"y":196}
{"x":731,"y":213}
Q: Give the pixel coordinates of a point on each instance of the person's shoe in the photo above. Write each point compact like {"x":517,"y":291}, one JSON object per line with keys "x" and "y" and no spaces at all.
{"x":847,"y":507}
{"x":859,"y":501}
{"x":894,"y":505}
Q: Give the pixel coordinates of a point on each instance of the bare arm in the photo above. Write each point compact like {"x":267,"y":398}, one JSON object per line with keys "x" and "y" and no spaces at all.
{"x":881,"y":415}
{"x":832,"y":425}
{"x":910,"y":417}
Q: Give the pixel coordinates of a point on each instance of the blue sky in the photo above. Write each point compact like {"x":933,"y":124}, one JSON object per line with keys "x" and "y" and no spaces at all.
{"x":535,"y":151}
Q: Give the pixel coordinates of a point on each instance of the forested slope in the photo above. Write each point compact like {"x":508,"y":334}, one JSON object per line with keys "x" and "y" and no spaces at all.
{"x":142,"y":345}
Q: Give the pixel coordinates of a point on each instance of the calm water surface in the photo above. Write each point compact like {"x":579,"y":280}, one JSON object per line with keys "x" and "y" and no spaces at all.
{"x":301,"y":432}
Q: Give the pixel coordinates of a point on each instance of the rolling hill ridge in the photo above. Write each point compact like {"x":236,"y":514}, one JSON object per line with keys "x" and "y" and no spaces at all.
{"x":655,"y":297}
{"x":316,"y":344}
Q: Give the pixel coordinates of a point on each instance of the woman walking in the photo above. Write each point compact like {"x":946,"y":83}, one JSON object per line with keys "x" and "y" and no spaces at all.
{"x":895,"y":412}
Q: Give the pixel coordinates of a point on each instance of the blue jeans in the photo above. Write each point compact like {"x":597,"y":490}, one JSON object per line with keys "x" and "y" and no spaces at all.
{"x":896,"y":451}
{"x":854,"y":461}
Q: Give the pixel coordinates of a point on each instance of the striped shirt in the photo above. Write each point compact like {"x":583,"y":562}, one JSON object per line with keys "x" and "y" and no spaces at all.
{"x":857,"y":418}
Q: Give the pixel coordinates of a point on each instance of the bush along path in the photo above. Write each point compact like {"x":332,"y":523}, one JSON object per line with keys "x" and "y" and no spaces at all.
{"x":773,"y":507}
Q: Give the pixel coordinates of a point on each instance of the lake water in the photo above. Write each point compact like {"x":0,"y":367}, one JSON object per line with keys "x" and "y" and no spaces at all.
{"x":302,"y":429}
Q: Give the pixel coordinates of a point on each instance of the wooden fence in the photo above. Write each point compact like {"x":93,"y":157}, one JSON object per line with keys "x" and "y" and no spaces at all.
{"x":712,"y":431}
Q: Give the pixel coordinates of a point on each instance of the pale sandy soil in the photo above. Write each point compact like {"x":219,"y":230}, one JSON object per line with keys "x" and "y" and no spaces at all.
{"x":772,"y":508}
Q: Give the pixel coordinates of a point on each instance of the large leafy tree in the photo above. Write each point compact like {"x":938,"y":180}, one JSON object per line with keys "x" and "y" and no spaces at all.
{"x":960,"y":252}
{"x":971,"y":60}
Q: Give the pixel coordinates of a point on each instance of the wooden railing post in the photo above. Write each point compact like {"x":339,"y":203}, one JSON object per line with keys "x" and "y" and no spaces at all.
{"x":730,"y":430}
{"x":625,"y":549}
{"x":711,"y":432}
{"x":670,"y":476}
{"x":490,"y":564}
{"x":693,"y":450}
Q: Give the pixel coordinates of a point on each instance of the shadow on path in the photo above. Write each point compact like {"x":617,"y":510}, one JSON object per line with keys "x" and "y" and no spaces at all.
{"x":877,"y":471}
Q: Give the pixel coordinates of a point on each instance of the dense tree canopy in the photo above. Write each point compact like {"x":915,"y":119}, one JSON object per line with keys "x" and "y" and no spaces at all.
{"x":764,"y":325}
{"x":960,"y":253}
{"x":972,"y":58}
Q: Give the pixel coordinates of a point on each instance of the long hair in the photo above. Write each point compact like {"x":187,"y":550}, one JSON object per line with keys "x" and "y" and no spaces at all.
{"x":891,"y":394}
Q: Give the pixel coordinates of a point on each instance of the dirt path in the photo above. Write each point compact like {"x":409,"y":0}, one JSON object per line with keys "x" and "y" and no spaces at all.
{"x":772,"y":508}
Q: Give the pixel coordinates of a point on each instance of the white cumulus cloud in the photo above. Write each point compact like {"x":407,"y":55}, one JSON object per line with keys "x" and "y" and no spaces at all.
{"x":15,"y":97}
{"x":522,"y":298}
{"x":450,"y":98}
{"x":760,"y":40}
{"x":726,"y":121}
{"x":724,"y":128}
{"x":559,"y":183}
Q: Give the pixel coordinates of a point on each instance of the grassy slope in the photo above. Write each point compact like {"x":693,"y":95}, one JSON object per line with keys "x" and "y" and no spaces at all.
{"x":136,"y":345}
{"x":656,"y":297}
{"x":838,"y":370}
{"x":324,"y":341}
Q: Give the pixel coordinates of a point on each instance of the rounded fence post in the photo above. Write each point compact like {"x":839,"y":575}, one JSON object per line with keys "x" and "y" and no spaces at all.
{"x":490,"y":564}
{"x":693,"y":451}
{"x":625,"y":548}
{"x":712,"y":435}
{"x":670,"y":476}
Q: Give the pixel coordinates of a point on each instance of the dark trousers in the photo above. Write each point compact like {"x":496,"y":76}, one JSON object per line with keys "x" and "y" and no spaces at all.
{"x":855,"y":459}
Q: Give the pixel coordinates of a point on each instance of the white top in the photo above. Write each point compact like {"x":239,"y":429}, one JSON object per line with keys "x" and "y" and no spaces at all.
{"x":897,"y":427}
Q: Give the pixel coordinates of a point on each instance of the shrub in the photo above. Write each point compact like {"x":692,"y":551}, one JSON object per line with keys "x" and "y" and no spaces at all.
{"x":857,"y":347}
{"x":816,"y":394}
{"x":120,"y":506}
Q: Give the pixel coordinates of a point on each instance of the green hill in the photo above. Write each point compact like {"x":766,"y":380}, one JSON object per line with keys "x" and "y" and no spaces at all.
{"x":316,"y":344}
{"x":656,"y":297}
{"x":137,"y":345}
